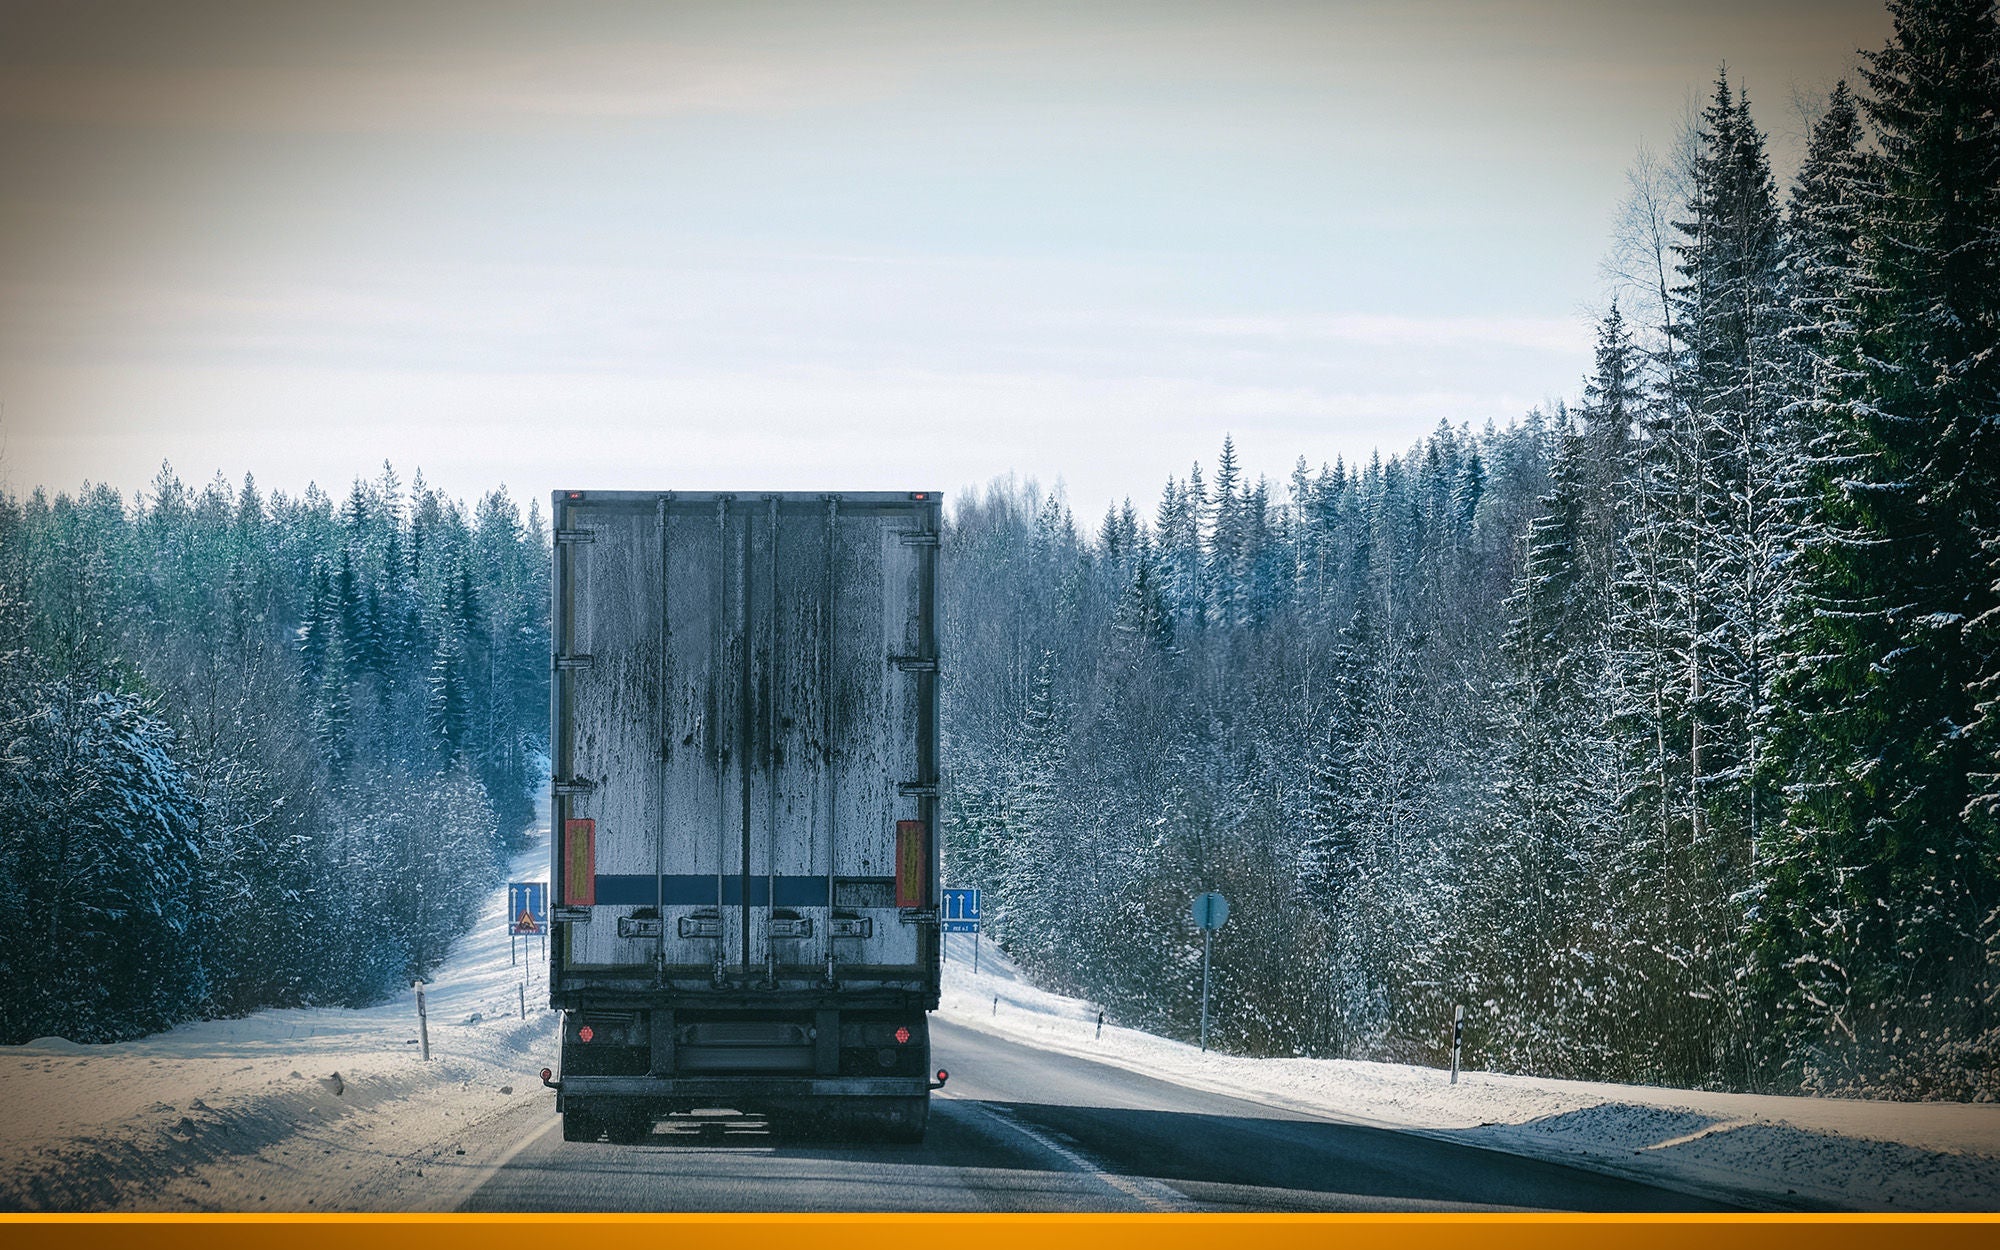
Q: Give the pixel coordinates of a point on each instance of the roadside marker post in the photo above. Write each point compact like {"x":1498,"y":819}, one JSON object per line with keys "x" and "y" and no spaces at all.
{"x":1457,"y":1033}
{"x":423,"y":1024}
{"x":1211,"y":910}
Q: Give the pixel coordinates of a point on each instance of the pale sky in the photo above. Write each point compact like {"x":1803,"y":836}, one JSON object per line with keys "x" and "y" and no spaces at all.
{"x":821,"y":246}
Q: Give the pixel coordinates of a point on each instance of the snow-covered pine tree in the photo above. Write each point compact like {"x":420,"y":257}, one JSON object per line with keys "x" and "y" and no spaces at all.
{"x":98,"y":856}
{"x":1538,"y":897}
{"x":1795,"y":889}
{"x":1613,"y":397}
{"x":1887,"y":735}
{"x":1698,"y":605}
{"x":1223,"y":563}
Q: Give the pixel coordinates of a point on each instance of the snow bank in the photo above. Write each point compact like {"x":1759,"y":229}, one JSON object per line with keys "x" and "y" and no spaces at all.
{"x":1777,"y":1152}
{"x":293,"y":1109}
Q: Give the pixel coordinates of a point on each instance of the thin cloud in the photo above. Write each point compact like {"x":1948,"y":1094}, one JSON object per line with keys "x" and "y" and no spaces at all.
{"x":465,"y":89}
{"x":1563,"y":335}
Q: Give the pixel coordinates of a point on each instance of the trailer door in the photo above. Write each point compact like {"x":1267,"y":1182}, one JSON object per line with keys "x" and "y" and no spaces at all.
{"x":746,"y":694}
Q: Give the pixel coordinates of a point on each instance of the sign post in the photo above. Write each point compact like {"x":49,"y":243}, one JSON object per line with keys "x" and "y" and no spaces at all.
{"x":1210,"y":911}
{"x":1457,"y":1033}
{"x":961,"y":915}
{"x":527,"y":913}
{"x":423,"y":1024}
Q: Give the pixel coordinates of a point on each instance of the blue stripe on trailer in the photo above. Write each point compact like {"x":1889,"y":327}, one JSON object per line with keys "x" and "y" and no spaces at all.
{"x":696,"y":890}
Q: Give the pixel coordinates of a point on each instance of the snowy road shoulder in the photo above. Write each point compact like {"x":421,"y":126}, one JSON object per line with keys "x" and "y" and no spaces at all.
{"x":292,"y":1110}
{"x":1766,"y":1150}
{"x":248,"y":1114}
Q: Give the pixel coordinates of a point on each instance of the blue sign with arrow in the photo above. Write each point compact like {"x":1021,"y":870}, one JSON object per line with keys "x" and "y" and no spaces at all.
{"x":961,"y":911}
{"x":527,"y":907}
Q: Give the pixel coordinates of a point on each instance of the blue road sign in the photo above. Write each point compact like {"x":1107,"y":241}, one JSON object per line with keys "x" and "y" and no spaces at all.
{"x":961,"y":911}
{"x":1210,"y":910}
{"x":527,"y":907}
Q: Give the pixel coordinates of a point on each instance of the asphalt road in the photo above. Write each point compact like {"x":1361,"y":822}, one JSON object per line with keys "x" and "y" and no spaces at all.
{"x":1019,"y":1129}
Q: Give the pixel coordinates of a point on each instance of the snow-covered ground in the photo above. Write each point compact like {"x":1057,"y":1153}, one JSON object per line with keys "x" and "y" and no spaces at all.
{"x":290,"y":1110}
{"x":1769,"y":1150}
{"x":249,"y":1114}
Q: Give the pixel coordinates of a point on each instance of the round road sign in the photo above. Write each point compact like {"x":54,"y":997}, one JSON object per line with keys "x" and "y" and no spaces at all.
{"x":1210,"y":910}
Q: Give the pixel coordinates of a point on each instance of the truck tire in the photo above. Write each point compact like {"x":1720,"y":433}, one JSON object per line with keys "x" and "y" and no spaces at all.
{"x":582,"y":1126}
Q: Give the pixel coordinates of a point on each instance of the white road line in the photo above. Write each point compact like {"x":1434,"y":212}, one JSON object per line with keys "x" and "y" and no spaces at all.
{"x":487,"y":1173}
{"x":1148,"y":1193}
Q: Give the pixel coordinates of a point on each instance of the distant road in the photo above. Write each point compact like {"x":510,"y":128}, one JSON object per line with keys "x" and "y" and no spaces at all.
{"x":1020,"y":1129}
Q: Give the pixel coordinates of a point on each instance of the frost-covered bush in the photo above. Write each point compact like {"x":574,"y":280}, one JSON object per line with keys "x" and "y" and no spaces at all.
{"x":98,"y":864}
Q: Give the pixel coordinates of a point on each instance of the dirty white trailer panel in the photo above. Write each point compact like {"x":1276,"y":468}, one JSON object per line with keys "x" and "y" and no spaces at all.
{"x":745,"y":759}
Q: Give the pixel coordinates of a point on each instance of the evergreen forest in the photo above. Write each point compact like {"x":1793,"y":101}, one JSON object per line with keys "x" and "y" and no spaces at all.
{"x":256,"y":751}
{"x":1659,"y":729}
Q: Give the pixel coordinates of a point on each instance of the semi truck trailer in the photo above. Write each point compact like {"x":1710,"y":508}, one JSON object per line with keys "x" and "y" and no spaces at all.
{"x":744,"y":777}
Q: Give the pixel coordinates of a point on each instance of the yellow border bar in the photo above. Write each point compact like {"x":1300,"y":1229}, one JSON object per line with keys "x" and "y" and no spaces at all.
{"x":1007,"y":1232}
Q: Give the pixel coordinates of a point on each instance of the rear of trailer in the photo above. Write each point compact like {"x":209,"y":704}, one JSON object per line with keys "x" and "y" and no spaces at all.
{"x":744,"y":758}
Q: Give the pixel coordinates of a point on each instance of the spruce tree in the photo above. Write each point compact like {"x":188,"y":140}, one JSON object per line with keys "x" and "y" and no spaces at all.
{"x":1226,"y":540}
{"x":1887,"y":738}
{"x":1612,"y":398}
{"x":1821,"y":228}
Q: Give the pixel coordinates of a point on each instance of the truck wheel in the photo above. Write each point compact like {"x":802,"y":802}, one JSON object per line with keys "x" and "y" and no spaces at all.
{"x":579,"y":1126}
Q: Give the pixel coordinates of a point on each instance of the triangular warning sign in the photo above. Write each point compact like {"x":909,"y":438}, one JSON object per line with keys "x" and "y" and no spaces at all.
{"x":526,"y":924}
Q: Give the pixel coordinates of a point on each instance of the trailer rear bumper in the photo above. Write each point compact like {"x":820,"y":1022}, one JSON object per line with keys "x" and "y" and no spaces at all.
{"x":624,"y":1108}
{"x":759,"y":1089}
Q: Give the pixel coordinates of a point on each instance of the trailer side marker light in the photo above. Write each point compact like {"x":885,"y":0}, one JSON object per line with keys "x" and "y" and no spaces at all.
{"x":575,"y":494}
{"x":546,"y":1074}
{"x":942,"y":1077}
{"x":584,"y":1034}
{"x":902,"y":1034}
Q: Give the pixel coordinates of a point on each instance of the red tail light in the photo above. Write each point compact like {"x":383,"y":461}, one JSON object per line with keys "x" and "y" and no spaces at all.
{"x":902,"y":1034}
